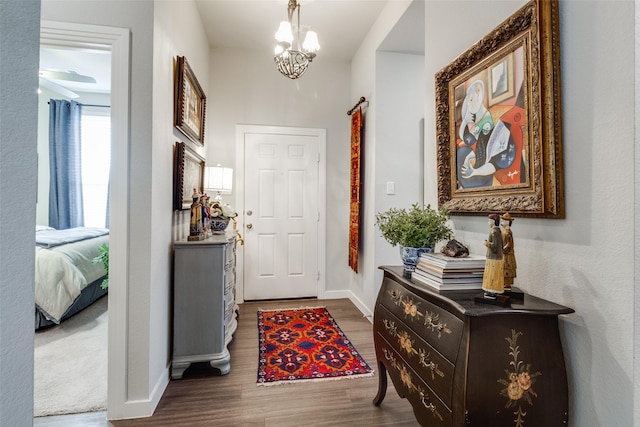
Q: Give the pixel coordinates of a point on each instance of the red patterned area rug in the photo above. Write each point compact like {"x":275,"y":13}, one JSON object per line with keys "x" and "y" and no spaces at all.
{"x":305,"y":344}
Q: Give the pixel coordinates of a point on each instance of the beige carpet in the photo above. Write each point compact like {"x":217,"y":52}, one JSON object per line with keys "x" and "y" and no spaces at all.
{"x":70,"y":371}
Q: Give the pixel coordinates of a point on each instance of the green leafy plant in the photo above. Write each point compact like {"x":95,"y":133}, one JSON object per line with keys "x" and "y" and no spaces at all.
{"x":103,"y":257}
{"x":416,"y":227}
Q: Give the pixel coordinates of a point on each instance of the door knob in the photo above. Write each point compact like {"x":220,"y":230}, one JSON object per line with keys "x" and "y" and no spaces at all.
{"x":249,"y":213}
{"x":249,"y":226}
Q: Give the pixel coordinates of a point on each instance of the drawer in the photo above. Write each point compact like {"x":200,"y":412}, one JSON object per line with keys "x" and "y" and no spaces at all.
{"x":229,"y":284}
{"x":230,"y":253}
{"x":427,"y":407}
{"x":228,"y":311}
{"x":438,"y":327}
{"x":230,"y":277}
{"x":436,"y":371}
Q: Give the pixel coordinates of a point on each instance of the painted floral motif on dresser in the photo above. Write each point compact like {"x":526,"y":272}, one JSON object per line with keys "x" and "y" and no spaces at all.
{"x":412,"y":311}
{"x":520,"y":378}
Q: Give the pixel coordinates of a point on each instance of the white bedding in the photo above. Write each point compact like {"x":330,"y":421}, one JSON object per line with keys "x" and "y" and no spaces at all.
{"x":63,"y":272}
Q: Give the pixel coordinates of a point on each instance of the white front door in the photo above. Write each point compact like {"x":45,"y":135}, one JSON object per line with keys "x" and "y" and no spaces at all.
{"x":281,"y":215}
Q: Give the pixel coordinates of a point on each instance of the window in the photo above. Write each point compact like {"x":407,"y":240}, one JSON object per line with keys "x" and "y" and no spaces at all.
{"x":96,"y":165}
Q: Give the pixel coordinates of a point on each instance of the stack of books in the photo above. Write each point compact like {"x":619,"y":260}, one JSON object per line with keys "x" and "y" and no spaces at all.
{"x":447,"y":273}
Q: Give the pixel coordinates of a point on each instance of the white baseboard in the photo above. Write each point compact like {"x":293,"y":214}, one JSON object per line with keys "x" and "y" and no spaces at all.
{"x":144,"y":407}
{"x":366,"y":311}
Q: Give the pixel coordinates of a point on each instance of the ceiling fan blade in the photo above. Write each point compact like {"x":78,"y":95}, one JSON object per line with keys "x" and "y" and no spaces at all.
{"x":71,"y":76}
{"x":54,"y":87}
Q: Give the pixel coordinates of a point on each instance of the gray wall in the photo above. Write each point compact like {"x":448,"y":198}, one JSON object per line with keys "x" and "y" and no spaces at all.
{"x":586,"y":260}
{"x":19,"y":41}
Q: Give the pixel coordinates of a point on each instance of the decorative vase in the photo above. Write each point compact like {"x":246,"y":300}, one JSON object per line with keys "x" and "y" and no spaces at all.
{"x":218,"y":225}
{"x":410,"y":256}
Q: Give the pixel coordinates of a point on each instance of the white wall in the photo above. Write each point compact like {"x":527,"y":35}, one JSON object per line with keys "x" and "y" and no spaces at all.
{"x":177,"y":31}
{"x":19,"y":38}
{"x":246,"y":88}
{"x":363,"y":83}
{"x":400,"y":87}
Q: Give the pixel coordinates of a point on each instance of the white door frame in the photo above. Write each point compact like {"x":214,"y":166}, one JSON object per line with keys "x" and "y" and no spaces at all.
{"x":241,"y":131}
{"x":118,"y":39}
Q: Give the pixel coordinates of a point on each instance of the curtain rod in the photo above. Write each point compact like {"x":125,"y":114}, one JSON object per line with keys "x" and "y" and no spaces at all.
{"x":362,"y":99}
{"x":90,"y":105}
{"x":95,"y":105}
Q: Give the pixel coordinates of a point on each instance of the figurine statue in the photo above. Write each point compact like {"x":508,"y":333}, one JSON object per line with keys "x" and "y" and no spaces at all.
{"x":195,"y":225}
{"x":204,"y":204}
{"x":493,"y":277}
{"x":508,"y":250}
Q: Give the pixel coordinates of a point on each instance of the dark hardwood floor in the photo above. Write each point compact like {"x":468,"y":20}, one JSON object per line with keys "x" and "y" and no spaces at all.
{"x":205,"y":399}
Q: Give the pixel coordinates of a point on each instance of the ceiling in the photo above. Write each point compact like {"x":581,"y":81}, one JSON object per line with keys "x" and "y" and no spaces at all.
{"x":76,"y":62}
{"x":250,"y":24}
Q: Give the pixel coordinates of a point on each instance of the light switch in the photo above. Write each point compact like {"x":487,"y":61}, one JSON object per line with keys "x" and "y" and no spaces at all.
{"x":391,"y":187}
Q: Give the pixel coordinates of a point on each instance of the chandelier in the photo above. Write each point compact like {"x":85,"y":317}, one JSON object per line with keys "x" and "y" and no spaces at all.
{"x":294,"y":62}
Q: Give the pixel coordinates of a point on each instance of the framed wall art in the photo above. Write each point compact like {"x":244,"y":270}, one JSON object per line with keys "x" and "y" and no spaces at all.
{"x":188,"y":173}
{"x":189,"y":102}
{"x":498,"y":120}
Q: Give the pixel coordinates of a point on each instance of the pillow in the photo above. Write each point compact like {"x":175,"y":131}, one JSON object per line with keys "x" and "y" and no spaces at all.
{"x":43,"y":228}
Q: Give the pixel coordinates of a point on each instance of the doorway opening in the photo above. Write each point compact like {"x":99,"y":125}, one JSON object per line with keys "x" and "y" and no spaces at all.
{"x":117,"y":41}
{"x":66,"y":355}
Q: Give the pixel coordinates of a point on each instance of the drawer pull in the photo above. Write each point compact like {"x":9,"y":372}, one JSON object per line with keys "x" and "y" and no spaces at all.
{"x":429,"y":364}
{"x":407,"y":381}
{"x":431,"y":320}
{"x":424,"y":398}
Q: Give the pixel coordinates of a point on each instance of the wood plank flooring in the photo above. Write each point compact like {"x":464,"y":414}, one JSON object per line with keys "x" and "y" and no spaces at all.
{"x":205,"y":399}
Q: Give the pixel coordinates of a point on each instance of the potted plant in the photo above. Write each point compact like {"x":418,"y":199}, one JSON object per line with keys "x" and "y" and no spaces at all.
{"x":103,"y":258}
{"x":416,"y":230}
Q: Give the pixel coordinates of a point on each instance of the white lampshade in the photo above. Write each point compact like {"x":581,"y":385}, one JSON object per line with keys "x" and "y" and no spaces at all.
{"x":284,"y":33}
{"x":311,"y":42}
{"x":219,"y":178}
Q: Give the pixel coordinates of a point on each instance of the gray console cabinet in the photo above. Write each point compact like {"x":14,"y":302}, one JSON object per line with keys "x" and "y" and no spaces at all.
{"x":204,"y":307}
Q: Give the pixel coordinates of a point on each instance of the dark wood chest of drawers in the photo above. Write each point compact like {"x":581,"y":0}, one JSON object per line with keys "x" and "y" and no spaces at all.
{"x":460,"y":363}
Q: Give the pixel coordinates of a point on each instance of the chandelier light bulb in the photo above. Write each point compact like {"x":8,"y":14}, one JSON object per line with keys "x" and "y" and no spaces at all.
{"x":311,"y":42}
{"x":284,"y":33}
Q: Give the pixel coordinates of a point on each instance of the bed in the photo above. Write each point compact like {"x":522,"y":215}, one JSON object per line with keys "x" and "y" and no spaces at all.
{"x":67,"y":280}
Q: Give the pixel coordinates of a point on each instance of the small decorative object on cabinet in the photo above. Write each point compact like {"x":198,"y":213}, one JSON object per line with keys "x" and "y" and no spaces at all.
{"x":204,"y":307}
{"x":459,"y":363}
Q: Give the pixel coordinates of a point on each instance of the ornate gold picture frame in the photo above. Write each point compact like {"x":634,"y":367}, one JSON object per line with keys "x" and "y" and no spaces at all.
{"x":188,"y":173}
{"x":498,"y":120}
{"x":190,"y":102}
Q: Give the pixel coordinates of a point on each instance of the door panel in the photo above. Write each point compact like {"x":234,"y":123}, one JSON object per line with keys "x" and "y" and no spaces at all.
{"x":281,"y":219}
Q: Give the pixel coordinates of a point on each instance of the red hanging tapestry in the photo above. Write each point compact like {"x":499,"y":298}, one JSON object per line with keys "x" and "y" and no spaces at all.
{"x":305,"y":344}
{"x":356,"y":186}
